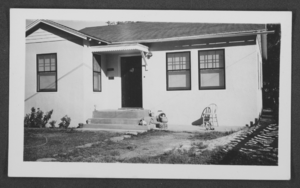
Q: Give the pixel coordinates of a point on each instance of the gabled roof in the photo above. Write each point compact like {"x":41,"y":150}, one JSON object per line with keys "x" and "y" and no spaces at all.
{"x":64,"y":28}
{"x":167,"y":31}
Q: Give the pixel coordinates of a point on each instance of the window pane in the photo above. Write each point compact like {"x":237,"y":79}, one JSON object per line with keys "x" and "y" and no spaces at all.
{"x":47,"y":80}
{"x":53,"y":63}
{"x":220,"y":58}
{"x":212,"y":78}
{"x":97,"y":81}
{"x":41,"y":64}
{"x":179,"y":79}
{"x":96,"y":65}
{"x":47,"y":64}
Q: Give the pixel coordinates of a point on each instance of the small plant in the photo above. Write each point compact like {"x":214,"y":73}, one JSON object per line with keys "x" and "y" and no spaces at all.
{"x":65,"y":122}
{"x":37,"y":118}
{"x":52,"y":123}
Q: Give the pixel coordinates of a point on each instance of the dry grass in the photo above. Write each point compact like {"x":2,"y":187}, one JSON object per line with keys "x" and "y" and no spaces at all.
{"x":62,"y":145}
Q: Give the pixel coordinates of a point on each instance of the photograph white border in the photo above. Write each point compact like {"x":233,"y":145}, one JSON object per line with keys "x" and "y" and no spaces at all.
{"x":18,"y":168}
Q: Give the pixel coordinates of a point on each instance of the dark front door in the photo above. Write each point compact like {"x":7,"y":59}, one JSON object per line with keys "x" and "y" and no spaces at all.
{"x":131,"y":73}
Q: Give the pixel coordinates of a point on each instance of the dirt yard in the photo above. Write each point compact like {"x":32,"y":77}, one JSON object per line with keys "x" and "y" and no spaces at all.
{"x":103,"y":146}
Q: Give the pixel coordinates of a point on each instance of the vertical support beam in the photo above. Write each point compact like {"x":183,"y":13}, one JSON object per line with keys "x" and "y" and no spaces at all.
{"x":144,"y":58}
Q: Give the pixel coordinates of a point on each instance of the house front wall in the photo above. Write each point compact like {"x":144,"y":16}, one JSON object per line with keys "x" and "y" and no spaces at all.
{"x":238,"y":104}
{"x":68,"y":99}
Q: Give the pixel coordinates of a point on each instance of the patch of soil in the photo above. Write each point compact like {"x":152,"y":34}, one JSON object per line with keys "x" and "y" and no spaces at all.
{"x":159,"y":144}
{"x":155,"y":144}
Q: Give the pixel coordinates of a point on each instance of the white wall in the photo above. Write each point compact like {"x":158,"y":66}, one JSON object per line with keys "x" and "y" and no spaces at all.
{"x":68,"y":100}
{"x":237,"y":104}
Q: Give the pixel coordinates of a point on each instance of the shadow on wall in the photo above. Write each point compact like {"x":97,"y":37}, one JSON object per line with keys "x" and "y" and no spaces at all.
{"x":68,"y":73}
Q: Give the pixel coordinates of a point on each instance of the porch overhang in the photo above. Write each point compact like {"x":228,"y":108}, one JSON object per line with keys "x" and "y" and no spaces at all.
{"x":120,"y":47}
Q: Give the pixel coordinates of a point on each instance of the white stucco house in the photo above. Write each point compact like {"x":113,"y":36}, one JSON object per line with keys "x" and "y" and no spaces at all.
{"x":179,"y":68}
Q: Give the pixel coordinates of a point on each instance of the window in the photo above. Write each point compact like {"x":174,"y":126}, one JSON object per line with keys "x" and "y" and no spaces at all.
{"x":46,"y":72}
{"x":97,"y":73}
{"x":178,"y":71}
{"x":211,"y":69}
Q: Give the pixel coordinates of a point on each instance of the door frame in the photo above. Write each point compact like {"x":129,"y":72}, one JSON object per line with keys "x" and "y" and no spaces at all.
{"x":142,"y":75}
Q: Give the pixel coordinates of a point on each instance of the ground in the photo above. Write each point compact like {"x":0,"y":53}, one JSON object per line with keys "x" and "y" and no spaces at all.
{"x":159,"y":146}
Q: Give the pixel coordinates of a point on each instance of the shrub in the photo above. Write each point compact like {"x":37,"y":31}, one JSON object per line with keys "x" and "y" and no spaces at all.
{"x":52,"y":123}
{"x":65,"y":122}
{"x":37,"y":118}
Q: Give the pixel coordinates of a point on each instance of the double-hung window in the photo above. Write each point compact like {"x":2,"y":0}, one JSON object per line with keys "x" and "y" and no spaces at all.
{"x":211,"y":69}
{"x":46,"y":72}
{"x":178,"y":71}
{"x":97,"y":73}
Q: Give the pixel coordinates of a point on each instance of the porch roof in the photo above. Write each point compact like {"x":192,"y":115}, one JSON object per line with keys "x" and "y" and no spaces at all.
{"x":120,"y":47}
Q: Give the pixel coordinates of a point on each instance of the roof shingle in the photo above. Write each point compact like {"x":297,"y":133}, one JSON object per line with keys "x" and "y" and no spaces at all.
{"x":140,"y":31}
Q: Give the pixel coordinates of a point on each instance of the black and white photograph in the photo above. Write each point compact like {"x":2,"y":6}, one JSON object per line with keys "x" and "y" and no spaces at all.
{"x":122,"y":94}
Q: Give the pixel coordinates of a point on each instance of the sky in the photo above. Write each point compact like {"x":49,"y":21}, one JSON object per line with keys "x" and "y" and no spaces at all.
{"x":75,"y":24}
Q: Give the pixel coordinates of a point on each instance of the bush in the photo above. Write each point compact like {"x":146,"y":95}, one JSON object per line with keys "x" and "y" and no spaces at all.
{"x":37,"y":118}
{"x":52,"y":123}
{"x":65,"y":122}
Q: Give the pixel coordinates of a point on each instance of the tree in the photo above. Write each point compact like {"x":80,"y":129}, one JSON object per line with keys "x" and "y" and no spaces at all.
{"x":271,"y":70}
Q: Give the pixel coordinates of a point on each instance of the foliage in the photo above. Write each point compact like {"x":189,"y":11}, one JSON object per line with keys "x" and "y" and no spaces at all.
{"x":65,"y":122}
{"x":52,"y":123}
{"x":271,"y":70}
{"x":37,"y":118}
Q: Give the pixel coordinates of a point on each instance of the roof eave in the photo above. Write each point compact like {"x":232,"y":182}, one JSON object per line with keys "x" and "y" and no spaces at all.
{"x":196,"y":37}
{"x":83,"y":36}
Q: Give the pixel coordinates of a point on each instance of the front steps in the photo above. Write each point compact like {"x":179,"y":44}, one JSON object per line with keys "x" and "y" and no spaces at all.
{"x":122,"y":119}
{"x":267,"y":115}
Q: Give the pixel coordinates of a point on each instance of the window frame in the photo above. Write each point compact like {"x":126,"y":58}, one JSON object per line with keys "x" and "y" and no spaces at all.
{"x":167,"y":72}
{"x":199,"y":71}
{"x":38,"y":73}
{"x":99,"y":72}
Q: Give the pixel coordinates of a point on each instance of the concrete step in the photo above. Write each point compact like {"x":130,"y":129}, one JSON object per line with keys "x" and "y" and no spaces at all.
{"x":115,"y":126}
{"x":267,"y":110}
{"x":130,"y":121}
{"x":127,"y":113}
{"x":266,"y":119}
{"x":266,"y":116}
